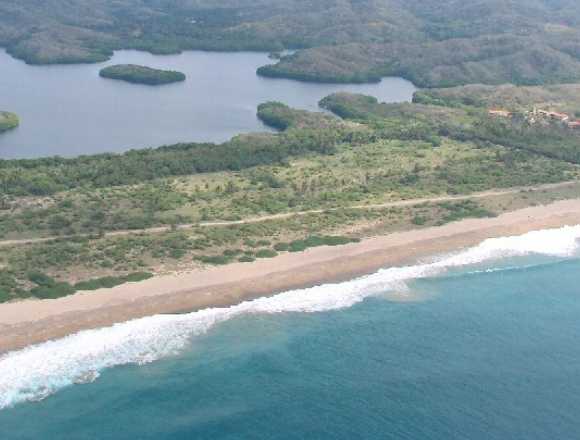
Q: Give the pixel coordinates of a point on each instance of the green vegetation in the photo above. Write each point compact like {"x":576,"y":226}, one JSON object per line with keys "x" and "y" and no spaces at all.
{"x":8,"y":121}
{"x":432,"y":43}
{"x":108,"y":282}
{"x":315,"y":241}
{"x":50,"y":175}
{"x":560,"y":97}
{"x":320,"y":181}
{"x":464,"y":209}
{"x":553,"y":140}
{"x":42,"y":286}
{"x":455,"y":118}
{"x":493,"y":59}
{"x":282,"y":117}
{"x":141,"y":74}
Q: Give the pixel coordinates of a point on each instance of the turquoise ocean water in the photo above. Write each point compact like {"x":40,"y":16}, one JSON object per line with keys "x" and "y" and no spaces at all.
{"x":484,"y":344}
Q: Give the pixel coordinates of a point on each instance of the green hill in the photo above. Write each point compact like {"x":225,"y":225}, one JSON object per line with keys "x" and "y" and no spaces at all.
{"x":435,"y":43}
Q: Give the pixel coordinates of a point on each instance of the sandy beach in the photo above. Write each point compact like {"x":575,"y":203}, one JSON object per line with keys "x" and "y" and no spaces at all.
{"x":34,"y":321}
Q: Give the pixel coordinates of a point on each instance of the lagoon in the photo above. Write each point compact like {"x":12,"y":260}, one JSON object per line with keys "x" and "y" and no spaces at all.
{"x":68,"y":110}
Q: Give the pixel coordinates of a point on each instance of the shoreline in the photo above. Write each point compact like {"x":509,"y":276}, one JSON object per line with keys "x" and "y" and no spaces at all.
{"x":30,"y":322}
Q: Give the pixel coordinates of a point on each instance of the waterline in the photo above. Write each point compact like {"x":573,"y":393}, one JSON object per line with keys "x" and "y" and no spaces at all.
{"x":39,"y":371}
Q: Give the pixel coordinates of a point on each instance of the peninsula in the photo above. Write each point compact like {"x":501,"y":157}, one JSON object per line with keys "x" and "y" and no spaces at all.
{"x":432,"y":44}
{"x":141,"y":74}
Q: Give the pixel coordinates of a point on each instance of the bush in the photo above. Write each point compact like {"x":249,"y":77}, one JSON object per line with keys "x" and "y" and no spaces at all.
{"x":214,"y":259}
{"x":5,"y":296}
{"x":177,"y":253}
{"x":315,"y":241}
{"x":419,"y":220}
{"x":266,"y":253}
{"x":246,"y":259}
{"x":281,"y":247}
{"x":232,"y":252}
{"x":41,"y":279}
{"x":57,"y":290}
{"x":108,"y":282}
{"x":138,"y":276}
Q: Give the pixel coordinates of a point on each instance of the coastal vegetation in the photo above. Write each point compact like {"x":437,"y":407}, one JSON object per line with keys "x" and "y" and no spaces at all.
{"x":46,"y":287}
{"x":8,"y":121}
{"x":50,"y":175}
{"x":461,"y":122}
{"x":278,"y":115}
{"x":432,"y":43}
{"x":321,"y":180}
{"x":141,"y":74}
{"x":494,"y":59}
{"x":560,"y":97}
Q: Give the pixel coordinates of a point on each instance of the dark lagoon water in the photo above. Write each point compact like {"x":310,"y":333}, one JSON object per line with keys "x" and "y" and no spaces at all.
{"x":481,"y":345}
{"x":70,"y":110}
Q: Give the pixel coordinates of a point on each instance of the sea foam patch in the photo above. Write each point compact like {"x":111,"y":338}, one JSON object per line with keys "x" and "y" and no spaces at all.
{"x":39,"y":371}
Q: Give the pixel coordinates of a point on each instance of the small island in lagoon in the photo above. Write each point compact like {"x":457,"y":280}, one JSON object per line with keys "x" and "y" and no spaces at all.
{"x":8,"y":121}
{"x":136,"y":74}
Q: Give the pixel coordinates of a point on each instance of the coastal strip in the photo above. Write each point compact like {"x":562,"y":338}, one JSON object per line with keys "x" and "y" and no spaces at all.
{"x":33,"y":321}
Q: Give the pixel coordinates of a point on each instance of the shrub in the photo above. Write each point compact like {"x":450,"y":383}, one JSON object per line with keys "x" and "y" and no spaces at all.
{"x":419,"y":220}
{"x":246,"y":259}
{"x":315,"y":241}
{"x":177,"y":253}
{"x":138,"y":276}
{"x":57,"y":290}
{"x":214,"y":259}
{"x":4,"y":296}
{"x":266,"y":253}
{"x":108,"y":282}
{"x":281,"y":247}
{"x":232,"y":252}
{"x":41,"y":279}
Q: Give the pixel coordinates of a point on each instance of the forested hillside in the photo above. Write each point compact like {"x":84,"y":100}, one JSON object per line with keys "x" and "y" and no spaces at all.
{"x":433,"y":43}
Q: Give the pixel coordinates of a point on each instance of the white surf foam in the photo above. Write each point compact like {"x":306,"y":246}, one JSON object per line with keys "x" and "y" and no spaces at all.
{"x":38,"y":371}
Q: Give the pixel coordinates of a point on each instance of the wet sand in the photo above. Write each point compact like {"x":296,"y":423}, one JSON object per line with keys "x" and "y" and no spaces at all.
{"x":33,"y":321}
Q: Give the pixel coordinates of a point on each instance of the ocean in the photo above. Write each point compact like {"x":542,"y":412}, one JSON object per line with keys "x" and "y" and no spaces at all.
{"x":479,"y":344}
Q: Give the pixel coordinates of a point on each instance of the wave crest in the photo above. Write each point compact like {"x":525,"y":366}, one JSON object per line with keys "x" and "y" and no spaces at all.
{"x":39,"y":371}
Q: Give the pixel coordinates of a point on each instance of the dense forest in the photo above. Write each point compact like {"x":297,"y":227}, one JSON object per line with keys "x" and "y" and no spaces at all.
{"x":433,"y":43}
{"x":141,"y":74}
{"x":50,"y":175}
{"x":280,"y":116}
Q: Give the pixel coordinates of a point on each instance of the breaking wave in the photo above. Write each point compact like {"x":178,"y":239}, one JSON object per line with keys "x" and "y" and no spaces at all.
{"x":39,"y":371}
